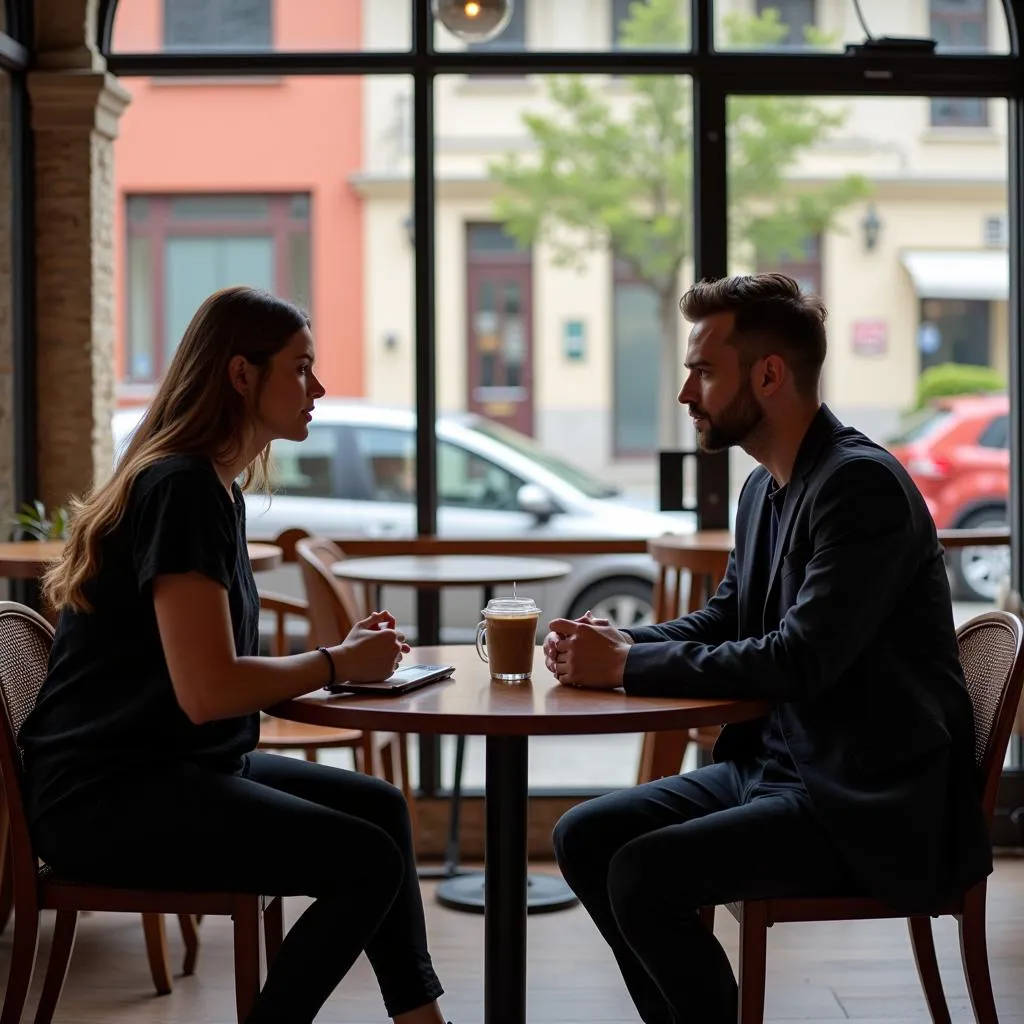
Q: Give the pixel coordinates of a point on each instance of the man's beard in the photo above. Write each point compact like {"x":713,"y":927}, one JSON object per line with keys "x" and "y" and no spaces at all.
{"x":733,"y":424}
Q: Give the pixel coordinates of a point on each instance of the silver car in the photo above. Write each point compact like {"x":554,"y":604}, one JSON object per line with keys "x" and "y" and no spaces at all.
{"x":355,"y":476}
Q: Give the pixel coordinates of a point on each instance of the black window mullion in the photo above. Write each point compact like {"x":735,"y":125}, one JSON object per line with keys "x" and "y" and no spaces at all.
{"x":710,"y":199}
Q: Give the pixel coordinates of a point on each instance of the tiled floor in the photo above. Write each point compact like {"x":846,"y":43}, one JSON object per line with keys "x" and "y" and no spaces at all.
{"x":817,"y":972}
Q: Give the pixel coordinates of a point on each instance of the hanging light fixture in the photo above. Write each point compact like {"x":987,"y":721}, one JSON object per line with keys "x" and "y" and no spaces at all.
{"x":474,"y":21}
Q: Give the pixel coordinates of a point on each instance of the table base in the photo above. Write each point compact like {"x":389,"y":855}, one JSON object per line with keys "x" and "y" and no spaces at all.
{"x":544,"y":893}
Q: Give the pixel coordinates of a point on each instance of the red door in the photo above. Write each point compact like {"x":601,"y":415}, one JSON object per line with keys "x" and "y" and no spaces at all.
{"x":499,"y":341}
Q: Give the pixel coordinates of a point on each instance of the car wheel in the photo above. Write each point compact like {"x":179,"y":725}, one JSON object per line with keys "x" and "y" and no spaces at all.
{"x":979,"y":572}
{"x":625,"y":602}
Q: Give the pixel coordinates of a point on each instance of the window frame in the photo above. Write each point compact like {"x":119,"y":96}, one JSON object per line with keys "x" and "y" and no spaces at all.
{"x":717,"y":75}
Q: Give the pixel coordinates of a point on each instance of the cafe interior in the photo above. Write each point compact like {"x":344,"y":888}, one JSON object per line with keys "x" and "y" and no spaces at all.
{"x":509,"y":939}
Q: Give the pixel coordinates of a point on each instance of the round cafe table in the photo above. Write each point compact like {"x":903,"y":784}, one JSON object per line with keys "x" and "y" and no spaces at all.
{"x":27,"y":559}
{"x":435,"y":572}
{"x":460,"y":890}
{"x":507,"y":714}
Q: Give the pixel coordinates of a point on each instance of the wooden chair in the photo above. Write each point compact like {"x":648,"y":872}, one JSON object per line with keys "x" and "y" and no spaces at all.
{"x":25,"y":640}
{"x":702,"y":569}
{"x":990,"y":652}
{"x":333,"y":610}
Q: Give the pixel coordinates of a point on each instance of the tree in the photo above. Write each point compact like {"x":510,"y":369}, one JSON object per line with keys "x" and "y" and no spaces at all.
{"x":602,"y":180}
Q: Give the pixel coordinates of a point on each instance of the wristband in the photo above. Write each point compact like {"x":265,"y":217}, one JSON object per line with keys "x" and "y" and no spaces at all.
{"x":330,"y":661}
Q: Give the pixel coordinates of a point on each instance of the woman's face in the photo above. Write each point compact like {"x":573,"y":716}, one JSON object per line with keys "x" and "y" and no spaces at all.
{"x":289,"y":390}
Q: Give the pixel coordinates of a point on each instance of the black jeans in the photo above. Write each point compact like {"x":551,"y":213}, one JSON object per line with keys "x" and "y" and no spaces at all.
{"x":643,"y":860}
{"x":280,"y":827}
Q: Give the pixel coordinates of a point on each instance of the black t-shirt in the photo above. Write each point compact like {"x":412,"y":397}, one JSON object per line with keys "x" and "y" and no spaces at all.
{"x":107,"y":706}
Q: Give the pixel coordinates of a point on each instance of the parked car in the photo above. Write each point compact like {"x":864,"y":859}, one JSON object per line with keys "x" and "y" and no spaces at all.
{"x":958,"y":452}
{"x":355,"y":476}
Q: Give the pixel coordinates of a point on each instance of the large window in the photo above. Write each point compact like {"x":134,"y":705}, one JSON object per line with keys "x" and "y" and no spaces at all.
{"x":182,"y":248}
{"x":217,"y":24}
{"x":959,"y":25}
{"x":563,"y":321}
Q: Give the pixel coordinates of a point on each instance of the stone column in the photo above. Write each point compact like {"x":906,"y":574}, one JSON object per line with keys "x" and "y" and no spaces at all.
{"x":74,"y":119}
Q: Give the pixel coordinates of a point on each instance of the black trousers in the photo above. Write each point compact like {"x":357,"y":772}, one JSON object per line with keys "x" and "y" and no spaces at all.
{"x":643,"y":860}
{"x":279,"y":826}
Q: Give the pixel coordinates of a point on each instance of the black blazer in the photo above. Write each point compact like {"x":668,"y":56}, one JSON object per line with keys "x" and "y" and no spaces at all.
{"x":850,"y":628}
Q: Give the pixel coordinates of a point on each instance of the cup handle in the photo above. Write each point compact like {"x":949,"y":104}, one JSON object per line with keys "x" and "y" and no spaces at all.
{"x":481,"y":634}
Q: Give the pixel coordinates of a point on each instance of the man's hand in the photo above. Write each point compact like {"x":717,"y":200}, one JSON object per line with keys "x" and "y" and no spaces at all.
{"x":586,"y":652}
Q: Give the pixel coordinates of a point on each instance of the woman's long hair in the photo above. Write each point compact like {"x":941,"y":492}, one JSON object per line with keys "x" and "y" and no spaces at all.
{"x":196,"y":411}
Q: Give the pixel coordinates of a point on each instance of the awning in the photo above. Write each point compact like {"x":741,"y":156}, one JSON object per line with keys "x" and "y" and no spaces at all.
{"x":959,"y":273}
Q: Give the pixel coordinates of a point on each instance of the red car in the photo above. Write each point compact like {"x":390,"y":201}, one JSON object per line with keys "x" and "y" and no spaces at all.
{"x":958,"y":452}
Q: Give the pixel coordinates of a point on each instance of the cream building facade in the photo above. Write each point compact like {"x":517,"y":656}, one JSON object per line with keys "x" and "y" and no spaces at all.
{"x":915,"y":273}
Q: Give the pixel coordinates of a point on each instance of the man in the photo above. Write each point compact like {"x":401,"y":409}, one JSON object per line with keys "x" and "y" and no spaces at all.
{"x":836,"y":606}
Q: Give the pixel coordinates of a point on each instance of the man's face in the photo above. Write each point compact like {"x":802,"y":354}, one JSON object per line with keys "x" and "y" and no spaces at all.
{"x":717,"y":387}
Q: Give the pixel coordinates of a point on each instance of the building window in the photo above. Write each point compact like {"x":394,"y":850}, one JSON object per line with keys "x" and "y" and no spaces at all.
{"x":217,"y":25}
{"x":182,"y":248}
{"x":954,"y":331}
{"x":795,"y":15}
{"x":960,"y":25}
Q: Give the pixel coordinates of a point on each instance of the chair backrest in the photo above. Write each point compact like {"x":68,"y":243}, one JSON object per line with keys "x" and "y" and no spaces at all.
{"x":25,"y":642}
{"x":286,"y":541}
{"x":702,"y":570}
{"x":333,"y":608}
{"x":993,"y":666}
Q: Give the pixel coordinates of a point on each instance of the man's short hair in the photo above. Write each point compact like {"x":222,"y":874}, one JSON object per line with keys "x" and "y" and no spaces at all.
{"x":771,"y":316}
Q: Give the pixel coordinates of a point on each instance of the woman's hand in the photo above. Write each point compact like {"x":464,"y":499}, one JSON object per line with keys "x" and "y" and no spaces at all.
{"x":372,"y":650}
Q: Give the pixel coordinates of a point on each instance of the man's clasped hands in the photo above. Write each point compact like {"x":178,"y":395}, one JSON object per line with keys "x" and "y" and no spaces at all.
{"x":587,"y":651}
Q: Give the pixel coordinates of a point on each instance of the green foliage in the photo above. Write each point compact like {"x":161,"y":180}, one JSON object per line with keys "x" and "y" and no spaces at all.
{"x":957,"y":379}
{"x":598,"y":179}
{"x":34,"y":522}
{"x":601,"y":179}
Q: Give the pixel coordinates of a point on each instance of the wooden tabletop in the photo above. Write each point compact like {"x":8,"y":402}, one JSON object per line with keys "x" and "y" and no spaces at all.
{"x":264,"y":556}
{"x":471,"y":703}
{"x":721,"y":541}
{"x":429,"y":571}
{"x":26,"y":559}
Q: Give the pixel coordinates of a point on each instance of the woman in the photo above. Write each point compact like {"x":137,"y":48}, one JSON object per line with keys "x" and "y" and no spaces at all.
{"x":140,"y":754}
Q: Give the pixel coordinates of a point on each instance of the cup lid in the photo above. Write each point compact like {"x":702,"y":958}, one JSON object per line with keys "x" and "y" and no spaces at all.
{"x":511,"y":606}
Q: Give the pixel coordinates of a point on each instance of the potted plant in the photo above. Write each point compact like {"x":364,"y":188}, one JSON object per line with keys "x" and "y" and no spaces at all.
{"x":36,"y":522}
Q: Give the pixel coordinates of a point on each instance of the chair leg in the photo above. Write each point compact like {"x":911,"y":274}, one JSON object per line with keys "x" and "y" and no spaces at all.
{"x":386,"y":752}
{"x":23,"y":959}
{"x":190,"y":936}
{"x":923,"y":943}
{"x":247,"y":954}
{"x":974,"y":953}
{"x":6,"y":868}
{"x":57,"y":969}
{"x":753,"y":957}
{"x":156,"y":950}
{"x":366,"y":760}
{"x":707,"y":915}
{"x":273,"y":928}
